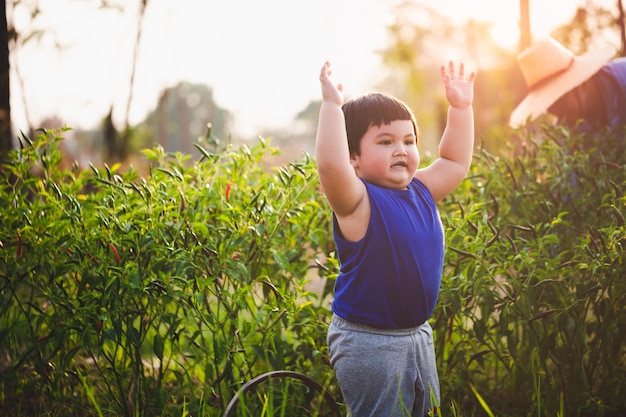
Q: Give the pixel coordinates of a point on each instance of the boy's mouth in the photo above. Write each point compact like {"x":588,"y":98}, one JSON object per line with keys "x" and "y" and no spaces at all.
{"x":399,"y":164}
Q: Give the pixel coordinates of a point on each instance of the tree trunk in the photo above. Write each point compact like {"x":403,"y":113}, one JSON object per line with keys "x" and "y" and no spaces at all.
{"x":524,"y":25}
{"x":6,"y":136}
{"x":621,"y":23}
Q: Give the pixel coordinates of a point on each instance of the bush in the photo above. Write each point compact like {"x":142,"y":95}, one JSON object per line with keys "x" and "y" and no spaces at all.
{"x":162,"y":292}
{"x":531,"y":313}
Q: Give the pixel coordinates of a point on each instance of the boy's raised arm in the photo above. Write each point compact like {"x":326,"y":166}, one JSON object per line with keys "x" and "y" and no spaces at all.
{"x":343,"y":190}
{"x":457,"y":142}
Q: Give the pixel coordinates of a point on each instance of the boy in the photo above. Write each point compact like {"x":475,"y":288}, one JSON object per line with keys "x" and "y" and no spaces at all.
{"x":389,"y":241}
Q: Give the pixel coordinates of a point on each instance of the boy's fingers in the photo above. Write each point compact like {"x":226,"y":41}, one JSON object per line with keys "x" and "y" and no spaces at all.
{"x":325,"y":71}
{"x":451,"y":68}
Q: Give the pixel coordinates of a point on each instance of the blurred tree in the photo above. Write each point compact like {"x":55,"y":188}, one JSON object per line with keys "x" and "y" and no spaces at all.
{"x":296,"y":139}
{"x":14,"y":39}
{"x":181,"y":117}
{"x":412,"y":60}
{"x":112,"y":138}
{"x":591,"y":26}
{"x":525,"y":38}
{"x":6,"y":135}
{"x":420,"y":40}
{"x":117,"y":143}
{"x":495,"y":91}
{"x":621,"y":21}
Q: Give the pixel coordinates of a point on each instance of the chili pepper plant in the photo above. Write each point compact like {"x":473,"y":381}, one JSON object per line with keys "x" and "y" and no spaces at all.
{"x":532,"y":312}
{"x":147,"y":293}
{"x":163,"y":289}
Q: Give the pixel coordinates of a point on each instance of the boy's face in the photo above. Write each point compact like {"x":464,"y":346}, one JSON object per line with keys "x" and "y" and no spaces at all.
{"x":389,"y":155}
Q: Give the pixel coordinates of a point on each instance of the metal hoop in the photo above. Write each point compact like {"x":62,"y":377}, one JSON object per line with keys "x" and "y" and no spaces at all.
{"x":310,"y":382}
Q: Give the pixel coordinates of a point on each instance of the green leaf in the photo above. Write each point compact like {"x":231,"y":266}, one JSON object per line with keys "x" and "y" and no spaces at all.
{"x":133,"y":335}
{"x":158,"y":345}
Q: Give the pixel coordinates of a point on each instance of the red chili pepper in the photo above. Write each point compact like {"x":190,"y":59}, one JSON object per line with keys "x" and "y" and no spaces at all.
{"x":450,"y":329}
{"x":90,"y":256}
{"x":114,"y":249}
{"x":19,"y":244}
{"x":227,"y":192}
{"x":183,"y":205}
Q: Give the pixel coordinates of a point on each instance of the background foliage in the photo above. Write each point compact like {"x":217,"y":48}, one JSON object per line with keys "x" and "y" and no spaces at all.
{"x":161,"y":293}
{"x":535,"y":293}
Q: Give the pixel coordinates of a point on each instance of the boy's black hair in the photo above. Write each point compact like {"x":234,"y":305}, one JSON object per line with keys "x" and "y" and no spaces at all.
{"x":374,"y":109}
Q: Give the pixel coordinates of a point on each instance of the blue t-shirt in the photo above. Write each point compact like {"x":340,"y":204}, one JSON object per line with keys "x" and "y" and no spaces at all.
{"x":390,"y":278}
{"x":613,"y":79}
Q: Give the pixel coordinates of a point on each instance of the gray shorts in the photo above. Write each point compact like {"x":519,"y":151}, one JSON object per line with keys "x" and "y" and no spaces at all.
{"x":384,"y":372}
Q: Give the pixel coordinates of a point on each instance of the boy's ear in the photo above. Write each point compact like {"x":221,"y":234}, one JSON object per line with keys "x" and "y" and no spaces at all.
{"x":354,"y":161}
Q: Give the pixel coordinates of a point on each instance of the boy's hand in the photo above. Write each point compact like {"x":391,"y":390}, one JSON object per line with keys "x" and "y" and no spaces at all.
{"x":330,"y":92}
{"x":459,"y":91}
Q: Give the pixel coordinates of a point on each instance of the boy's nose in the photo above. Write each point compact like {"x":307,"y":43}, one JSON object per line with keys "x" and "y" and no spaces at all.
{"x":400,"y":150}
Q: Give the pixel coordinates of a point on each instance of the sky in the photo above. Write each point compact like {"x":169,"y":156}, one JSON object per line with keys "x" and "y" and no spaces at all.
{"x":260,"y":57}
